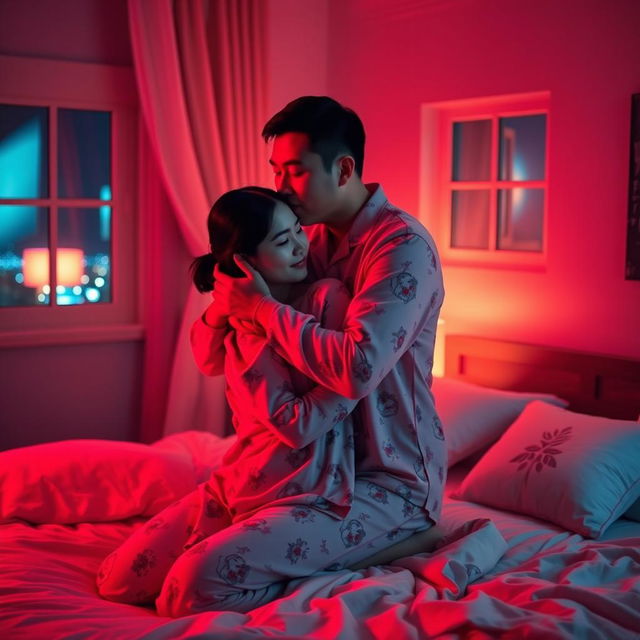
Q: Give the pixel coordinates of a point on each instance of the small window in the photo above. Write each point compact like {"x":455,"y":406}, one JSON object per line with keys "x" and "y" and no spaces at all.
{"x":486,"y":198}
{"x":53,"y":253}
{"x":68,"y":221}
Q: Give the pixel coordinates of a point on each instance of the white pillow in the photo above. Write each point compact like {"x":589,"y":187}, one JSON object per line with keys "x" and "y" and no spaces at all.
{"x":90,"y":481}
{"x":204,"y":449}
{"x":473,"y":417}
{"x":578,"y":471}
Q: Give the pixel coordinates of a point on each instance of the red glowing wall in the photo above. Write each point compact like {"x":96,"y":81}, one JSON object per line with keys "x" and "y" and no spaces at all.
{"x":386,"y":59}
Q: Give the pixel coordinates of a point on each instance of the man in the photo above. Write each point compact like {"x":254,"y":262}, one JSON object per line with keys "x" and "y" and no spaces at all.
{"x":388,"y":261}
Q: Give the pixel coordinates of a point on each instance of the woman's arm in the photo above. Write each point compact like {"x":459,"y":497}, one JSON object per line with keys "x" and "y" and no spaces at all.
{"x":207,"y":341}
{"x":295,"y":418}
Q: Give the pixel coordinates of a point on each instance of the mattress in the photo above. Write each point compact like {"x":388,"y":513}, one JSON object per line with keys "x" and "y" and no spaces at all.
{"x":546,"y":583}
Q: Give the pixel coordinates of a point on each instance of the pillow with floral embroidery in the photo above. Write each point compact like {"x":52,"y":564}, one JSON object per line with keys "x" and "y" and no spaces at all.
{"x":474,"y":417}
{"x":578,"y":471}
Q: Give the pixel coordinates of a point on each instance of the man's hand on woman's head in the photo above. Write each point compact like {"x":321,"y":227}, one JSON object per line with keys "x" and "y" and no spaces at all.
{"x":238,"y":297}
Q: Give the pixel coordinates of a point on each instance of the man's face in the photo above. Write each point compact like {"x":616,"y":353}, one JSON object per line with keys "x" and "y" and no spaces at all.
{"x":299,"y":173}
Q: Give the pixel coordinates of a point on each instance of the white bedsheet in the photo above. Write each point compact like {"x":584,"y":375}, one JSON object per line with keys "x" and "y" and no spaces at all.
{"x":548,"y":583}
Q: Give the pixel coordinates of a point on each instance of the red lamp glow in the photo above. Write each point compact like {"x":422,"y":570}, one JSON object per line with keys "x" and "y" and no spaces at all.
{"x":69,"y":267}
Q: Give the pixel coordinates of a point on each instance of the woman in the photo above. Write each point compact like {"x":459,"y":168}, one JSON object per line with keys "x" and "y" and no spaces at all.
{"x":285,"y":503}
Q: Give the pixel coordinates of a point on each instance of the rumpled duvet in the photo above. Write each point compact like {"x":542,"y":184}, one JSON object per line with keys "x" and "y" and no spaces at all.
{"x":494,"y":575}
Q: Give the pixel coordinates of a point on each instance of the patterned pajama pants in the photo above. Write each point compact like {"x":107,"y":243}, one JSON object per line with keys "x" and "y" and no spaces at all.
{"x":197,"y":560}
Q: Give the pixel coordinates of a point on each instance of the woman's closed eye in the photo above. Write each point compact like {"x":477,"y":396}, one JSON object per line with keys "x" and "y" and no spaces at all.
{"x":297,"y":231}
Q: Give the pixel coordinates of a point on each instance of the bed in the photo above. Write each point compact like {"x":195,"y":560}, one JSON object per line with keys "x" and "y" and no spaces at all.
{"x":542,"y":519}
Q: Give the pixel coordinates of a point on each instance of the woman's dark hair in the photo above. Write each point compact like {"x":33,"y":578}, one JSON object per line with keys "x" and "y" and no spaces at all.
{"x":332,"y":128}
{"x":238,"y":222}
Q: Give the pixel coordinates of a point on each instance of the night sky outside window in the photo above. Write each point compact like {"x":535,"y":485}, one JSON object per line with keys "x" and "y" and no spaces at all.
{"x":498,"y":183}
{"x":55,"y":217}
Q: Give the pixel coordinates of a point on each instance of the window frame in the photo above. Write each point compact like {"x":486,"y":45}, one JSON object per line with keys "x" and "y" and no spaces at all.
{"x":436,"y":184}
{"x":62,"y":84}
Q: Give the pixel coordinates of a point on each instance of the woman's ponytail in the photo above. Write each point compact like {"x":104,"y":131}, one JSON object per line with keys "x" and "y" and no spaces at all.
{"x":202,"y":272}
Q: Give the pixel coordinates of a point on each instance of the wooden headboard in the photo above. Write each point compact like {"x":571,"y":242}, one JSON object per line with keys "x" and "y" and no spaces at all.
{"x":595,"y":384}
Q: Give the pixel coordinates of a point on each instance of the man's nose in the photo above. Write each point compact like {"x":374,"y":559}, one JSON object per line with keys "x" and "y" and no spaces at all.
{"x":282,"y":185}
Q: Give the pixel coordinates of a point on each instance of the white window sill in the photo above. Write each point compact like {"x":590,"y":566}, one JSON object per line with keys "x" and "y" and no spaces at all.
{"x":71,"y":335}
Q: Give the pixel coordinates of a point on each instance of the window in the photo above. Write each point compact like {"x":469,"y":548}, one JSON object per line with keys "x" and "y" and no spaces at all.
{"x":484,"y":179}
{"x":41,"y":224}
{"x":68,"y":232}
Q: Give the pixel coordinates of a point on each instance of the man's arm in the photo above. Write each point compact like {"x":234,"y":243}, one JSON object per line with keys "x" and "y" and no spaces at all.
{"x":266,"y":391}
{"x":402,"y":287}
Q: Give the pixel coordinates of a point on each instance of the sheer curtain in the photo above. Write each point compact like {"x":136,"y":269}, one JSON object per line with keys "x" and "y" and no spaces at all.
{"x":200,"y":69}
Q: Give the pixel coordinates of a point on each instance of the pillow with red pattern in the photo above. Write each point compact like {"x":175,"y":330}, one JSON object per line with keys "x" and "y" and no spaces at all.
{"x":474,"y":417}
{"x":75,"y":481}
{"x":578,"y":471}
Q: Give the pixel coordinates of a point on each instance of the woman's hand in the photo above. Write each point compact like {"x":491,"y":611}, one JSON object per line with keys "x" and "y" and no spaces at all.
{"x":214,"y":316}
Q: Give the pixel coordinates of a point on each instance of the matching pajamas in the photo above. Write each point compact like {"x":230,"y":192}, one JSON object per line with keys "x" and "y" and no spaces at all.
{"x":383,"y":353}
{"x":306,"y":488}
{"x":200,"y":560}
{"x":282,"y":504}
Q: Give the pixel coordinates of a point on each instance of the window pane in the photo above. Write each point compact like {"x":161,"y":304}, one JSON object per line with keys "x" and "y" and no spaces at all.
{"x":522,"y":147}
{"x":470,"y":219}
{"x":520,"y":219}
{"x":84,"y":255}
{"x":471,"y":150}
{"x":24,"y":152}
{"x":24,"y":256}
{"x":84,"y":153}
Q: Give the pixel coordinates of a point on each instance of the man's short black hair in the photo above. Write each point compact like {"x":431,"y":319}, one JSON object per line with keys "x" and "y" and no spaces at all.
{"x":332,"y":128}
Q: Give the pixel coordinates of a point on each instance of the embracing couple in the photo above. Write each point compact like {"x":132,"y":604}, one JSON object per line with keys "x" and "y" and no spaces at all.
{"x":326,"y":341}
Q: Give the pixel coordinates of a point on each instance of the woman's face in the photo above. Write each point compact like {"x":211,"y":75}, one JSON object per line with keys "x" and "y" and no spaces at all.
{"x":282,"y":256}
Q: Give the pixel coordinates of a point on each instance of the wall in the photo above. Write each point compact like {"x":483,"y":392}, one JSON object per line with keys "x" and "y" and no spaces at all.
{"x":297,"y":50}
{"x":385,"y":59}
{"x":81,"y":30}
{"x":79,"y":391}
{"x":86,"y":390}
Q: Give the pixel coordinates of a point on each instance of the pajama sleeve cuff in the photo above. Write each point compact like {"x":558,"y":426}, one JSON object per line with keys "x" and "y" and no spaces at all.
{"x":263,"y":312}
